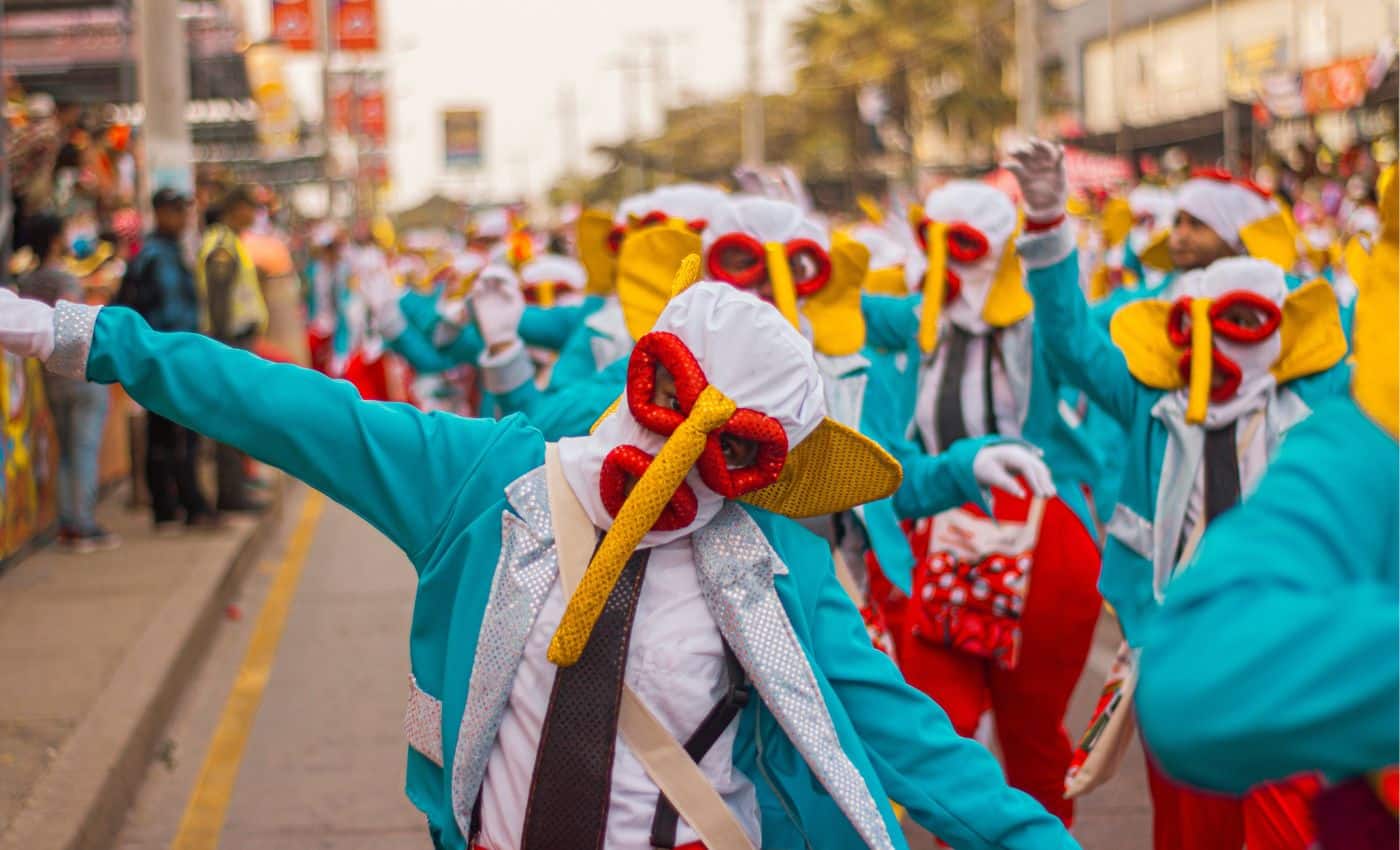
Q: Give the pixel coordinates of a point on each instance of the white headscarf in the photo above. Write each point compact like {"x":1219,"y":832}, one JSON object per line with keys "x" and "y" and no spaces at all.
{"x":989,"y":210}
{"x":687,"y":201}
{"x":1156,"y":202}
{"x":1255,"y":360}
{"x":1225,"y":207}
{"x":749,"y":352}
{"x":886,"y":251}
{"x":765,"y":220}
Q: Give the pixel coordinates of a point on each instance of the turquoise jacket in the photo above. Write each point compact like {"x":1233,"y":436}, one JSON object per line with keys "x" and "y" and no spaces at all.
{"x":1139,"y":550}
{"x":1279,"y":640}
{"x":834,"y":732}
{"x":892,"y":325}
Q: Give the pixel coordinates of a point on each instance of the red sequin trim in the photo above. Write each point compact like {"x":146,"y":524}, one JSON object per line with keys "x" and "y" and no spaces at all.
{"x":1220,"y":365}
{"x":757,"y":428}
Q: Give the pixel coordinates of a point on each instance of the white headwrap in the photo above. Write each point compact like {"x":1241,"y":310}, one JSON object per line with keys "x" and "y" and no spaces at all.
{"x":764,"y":220}
{"x":1225,"y":207}
{"x":687,"y":201}
{"x":1154,"y":201}
{"x":1255,"y":360}
{"x":989,"y":210}
{"x":886,"y":251}
{"x":554,"y":267}
{"x":749,"y":352}
{"x":492,"y":224}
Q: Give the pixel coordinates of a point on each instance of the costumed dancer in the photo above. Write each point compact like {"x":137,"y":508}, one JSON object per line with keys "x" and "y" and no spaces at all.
{"x":1205,"y":388}
{"x":969,"y":635}
{"x":1301,"y":584}
{"x":583,"y":605}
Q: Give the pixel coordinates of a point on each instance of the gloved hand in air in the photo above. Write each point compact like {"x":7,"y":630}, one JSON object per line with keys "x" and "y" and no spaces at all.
{"x":1039,"y":167}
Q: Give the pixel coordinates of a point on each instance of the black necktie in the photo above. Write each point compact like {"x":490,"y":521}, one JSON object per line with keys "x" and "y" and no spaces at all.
{"x":1222,"y":476}
{"x":948,"y":410}
{"x":572,"y":784}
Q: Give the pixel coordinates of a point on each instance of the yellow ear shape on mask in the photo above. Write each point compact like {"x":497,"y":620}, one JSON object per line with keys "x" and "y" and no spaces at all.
{"x":1155,"y":254}
{"x":1008,"y":302}
{"x":1271,"y":239}
{"x":646,"y":272}
{"x":1139,"y":329}
{"x":592,"y":232}
{"x":887,"y":281}
{"x":1375,"y":383}
{"x":1116,"y":221}
{"x":838,"y":327}
{"x":1311,"y":336}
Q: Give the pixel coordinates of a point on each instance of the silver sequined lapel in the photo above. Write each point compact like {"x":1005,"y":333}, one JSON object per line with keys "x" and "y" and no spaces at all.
{"x":527,"y":569}
{"x":736,"y":566}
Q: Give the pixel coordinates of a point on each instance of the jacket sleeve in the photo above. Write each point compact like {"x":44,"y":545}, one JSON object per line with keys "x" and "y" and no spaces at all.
{"x":1077,"y":345}
{"x":565,"y":411}
{"x":399,"y":469}
{"x":891,"y":323}
{"x":950,"y":785}
{"x":1279,"y":641}
{"x":551,"y":328}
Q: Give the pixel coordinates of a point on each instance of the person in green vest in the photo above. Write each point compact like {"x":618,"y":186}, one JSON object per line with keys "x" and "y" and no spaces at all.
{"x":234,"y":313}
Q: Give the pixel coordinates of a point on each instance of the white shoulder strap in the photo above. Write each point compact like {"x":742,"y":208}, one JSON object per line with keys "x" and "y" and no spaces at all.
{"x":665,"y":760}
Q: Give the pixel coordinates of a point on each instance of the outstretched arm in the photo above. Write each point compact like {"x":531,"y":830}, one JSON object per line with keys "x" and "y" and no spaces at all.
{"x":400,"y":469}
{"x":891,"y":323}
{"x":1279,"y":640}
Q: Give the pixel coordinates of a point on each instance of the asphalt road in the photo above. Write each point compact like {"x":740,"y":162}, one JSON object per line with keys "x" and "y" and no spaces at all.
{"x":317,"y":759}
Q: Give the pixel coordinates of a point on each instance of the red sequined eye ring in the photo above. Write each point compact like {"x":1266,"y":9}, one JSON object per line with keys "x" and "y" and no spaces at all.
{"x":1179,"y":332}
{"x":659,"y":349}
{"x":809,"y":261}
{"x":966,"y":244}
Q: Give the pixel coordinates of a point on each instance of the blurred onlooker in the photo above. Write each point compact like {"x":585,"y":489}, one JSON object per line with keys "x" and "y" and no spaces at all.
{"x":234,"y":313}
{"x":79,"y":408}
{"x":160,"y":286}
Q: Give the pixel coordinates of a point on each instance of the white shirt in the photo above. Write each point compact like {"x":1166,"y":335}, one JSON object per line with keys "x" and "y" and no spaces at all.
{"x":1253,"y":460}
{"x":972,"y":389}
{"x":675,"y":663}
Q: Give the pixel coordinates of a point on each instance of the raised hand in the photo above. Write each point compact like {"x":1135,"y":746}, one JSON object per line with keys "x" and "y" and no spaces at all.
{"x":1039,"y":167}
{"x":497,"y":305}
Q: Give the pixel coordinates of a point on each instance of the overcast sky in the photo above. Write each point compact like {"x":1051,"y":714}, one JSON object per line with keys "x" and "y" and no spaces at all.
{"x":514,"y":57}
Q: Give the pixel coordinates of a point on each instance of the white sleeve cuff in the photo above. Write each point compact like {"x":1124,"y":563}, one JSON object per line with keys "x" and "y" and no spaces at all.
{"x":73,"y":327}
{"x":506,"y":371}
{"x":1046,"y":248}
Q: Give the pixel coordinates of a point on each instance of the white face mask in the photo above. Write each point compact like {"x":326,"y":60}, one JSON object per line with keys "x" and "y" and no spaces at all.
{"x":743,"y":348}
{"x":992,"y":214}
{"x":1223,"y":281}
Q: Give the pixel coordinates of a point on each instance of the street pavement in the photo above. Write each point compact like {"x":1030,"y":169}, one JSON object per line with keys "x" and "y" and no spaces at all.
{"x":323,"y":761}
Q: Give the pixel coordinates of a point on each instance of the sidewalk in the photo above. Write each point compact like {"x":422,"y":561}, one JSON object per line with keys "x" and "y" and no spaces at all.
{"x":94,"y":649}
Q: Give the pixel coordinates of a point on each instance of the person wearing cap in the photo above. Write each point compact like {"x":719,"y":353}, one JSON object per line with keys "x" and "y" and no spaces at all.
{"x":79,"y":408}
{"x":1205,"y":387}
{"x":1308,"y":684}
{"x":975,"y":369}
{"x":161,"y":287}
{"x":585,"y":606}
{"x":233,"y":312}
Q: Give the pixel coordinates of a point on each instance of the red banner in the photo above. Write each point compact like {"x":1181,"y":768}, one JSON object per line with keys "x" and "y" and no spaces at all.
{"x":373,"y":107}
{"x":356,"y":25}
{"x":294,"y":24}
{"x":342,"y":103}
{"x":1341,"y":85}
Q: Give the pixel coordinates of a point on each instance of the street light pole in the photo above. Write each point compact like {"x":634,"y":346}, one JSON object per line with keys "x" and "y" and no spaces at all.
{"x":752,"y":134}
{"x":163,"y":75}
{"x":1027,"y":67}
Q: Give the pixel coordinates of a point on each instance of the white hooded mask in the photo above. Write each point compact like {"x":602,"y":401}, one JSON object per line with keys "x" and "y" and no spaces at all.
{"x":746,"y":350}
{"x":990,"y":211}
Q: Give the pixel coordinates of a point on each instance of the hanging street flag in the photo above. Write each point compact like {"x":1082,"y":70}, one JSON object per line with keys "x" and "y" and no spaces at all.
{"x":342,"y":102}
{"x":372,"y":109}
{"x":356,"y":25}
{"x":294,"y":24}
{"x":461,"y":138}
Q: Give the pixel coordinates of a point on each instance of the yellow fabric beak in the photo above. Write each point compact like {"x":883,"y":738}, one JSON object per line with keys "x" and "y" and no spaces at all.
{"x":935,"y":281}
{"x":780,"y":276}
{"x":1198,"y":393}
{"x":636,"y":517}
{"x":546,"y":294}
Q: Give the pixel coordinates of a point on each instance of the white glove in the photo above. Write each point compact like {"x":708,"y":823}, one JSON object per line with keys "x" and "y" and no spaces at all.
{"x":998,"y":465}
{"x":1039,"y":167}
{"x":26,"y":326}
{"x":497,"y":304}
{"x":378,"y":290}
{"x":454,"y":312}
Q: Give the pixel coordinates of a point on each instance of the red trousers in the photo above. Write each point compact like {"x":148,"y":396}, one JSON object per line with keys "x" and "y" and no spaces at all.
{"x":1028,"y":702}
{"x":1271,"y":817}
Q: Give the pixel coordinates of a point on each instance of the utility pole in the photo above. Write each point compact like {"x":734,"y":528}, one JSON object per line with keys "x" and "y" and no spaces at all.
{"x":752,"y":133}
{"x":1027,"y":67}
{"x":163,"y":74}
{"x":568,"y":127}
{"x":327,"y":163}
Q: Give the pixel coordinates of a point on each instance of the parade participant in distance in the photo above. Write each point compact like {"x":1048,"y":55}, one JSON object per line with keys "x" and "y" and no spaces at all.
{"x":1205,"y":388}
